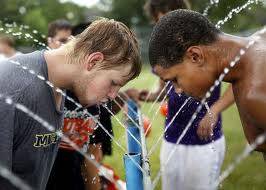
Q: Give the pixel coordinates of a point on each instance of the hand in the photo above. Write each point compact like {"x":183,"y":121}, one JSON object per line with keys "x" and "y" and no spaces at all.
{"x":146,"y":95}
{"x":206,"y":125}
{"x":143,"y":95}
{"x":133,"y":94}
{"x":96,"y":151}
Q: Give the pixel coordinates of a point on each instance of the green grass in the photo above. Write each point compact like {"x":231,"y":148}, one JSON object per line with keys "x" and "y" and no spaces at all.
{"x":250,"y":174}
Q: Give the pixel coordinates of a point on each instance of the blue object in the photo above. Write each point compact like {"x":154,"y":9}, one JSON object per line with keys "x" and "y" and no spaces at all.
{"x":133,"y":146}
{"x":132,"y":109}
{"x":134,"y":176}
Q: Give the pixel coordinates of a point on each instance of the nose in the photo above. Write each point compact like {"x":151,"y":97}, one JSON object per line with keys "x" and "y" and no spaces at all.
{"x":113,"y":93}
{"x":178,"y":89}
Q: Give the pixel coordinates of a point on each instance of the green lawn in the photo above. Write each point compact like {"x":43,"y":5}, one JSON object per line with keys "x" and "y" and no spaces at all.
{"x":250,"y":174}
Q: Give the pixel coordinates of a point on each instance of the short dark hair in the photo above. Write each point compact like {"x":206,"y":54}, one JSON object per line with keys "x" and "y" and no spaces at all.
{"x":153,"y":7}
{"x":56,"y":25}
{"x":77,"y":29}
{"x":175,"y":33}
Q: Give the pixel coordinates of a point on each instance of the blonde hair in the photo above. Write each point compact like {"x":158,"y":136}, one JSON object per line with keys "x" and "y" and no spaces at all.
{"x":114,"y":40}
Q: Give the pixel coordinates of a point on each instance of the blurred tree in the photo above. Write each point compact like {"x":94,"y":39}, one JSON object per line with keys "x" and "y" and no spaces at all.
{"x":250,"y":18}
{"x":37,"y":14}
{"x":129,"y":12}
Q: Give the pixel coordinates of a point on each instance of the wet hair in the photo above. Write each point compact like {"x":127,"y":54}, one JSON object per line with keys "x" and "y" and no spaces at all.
{"x":175,"y":33}
{"x":114,"y":40}
{"x":154,"y":7}
{"x":8,"y":40}
{"x":57,"y":25}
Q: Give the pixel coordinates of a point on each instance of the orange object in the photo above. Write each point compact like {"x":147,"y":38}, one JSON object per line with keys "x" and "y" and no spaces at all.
{"x":164,"y":109}
{"x":146,"y":125}
{"x":78,"y":131}
{"x":110,"y":180}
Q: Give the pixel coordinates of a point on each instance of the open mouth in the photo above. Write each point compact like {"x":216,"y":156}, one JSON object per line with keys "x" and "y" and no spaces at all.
{"x":104,"y":104}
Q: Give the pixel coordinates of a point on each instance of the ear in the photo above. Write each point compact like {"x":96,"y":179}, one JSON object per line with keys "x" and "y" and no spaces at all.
{"x":93,"y":59}
{"x":195,"y":55}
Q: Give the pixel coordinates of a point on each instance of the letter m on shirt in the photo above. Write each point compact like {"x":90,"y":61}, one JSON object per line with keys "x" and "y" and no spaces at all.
{"x":41,"y":140}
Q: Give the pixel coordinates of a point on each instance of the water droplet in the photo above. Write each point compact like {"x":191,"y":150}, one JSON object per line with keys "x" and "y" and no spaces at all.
{"x":232,"y":64}
{"x":226,"y":70}
{"x":260,"y":139}
{"x":9,"y":101}
{"x":217,"y":82}
{"x":94,"y":180}
{"x":40,"y":77}
{"x":208,"y":94}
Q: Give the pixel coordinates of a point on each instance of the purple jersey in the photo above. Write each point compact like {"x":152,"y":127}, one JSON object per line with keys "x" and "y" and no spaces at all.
{"x":174,"y":131}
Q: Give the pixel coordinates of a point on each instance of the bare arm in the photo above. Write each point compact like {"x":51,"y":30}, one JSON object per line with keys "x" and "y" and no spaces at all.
{"x":205,"y":129}
{"x":224,"y":102}
{"x":148,"y":96}
{"x":254,"y":120}
{"x":122,"y":97}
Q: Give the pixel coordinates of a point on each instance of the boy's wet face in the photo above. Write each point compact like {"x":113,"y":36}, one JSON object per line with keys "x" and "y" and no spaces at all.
{"x":187,"y":77}
{"x":100,"y":85}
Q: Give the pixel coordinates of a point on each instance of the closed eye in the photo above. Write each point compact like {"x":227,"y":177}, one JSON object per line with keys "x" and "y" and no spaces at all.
{"x":113,"y":83}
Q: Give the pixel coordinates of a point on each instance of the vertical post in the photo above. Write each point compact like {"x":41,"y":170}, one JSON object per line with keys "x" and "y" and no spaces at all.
{"x":133,"y":146}
{"x":145,"y":160}
{"x":134,"y":176}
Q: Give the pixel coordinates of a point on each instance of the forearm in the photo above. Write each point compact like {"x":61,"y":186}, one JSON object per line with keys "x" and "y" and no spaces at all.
{"x":224,"y":102}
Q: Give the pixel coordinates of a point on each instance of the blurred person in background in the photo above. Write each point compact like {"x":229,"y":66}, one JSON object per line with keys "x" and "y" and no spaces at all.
{"x":7,"y":47}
